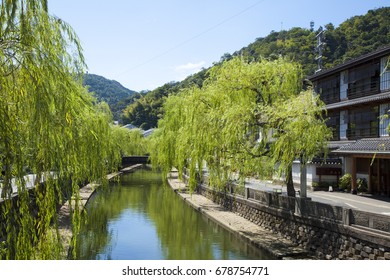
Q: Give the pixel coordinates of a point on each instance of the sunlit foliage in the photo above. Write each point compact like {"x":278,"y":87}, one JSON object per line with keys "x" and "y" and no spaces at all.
{"x":227,"y":124}
{"x":49,"y":126}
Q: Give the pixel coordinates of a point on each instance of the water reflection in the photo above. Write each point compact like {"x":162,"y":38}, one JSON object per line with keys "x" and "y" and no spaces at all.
{"x":140,"y":218}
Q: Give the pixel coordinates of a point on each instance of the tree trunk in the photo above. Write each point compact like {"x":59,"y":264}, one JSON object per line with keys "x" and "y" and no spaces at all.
{"x":289,"y":182}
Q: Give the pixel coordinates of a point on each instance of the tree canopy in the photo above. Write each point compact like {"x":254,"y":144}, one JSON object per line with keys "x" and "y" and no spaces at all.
{"x":246,"y":118}
{"x":356,"y":36}
{"x":49,"y":126}
{"x":112,"y":92}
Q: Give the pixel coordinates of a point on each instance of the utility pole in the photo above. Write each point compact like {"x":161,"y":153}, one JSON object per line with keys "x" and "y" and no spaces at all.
{"x":319,"y":48}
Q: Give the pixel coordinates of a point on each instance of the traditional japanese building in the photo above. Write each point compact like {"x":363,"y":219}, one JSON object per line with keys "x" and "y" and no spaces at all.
{"x":357,"y":99}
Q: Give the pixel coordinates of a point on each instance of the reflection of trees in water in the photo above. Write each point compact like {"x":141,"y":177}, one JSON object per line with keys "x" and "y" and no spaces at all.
{"x":95,"y":234}
{"x":183,"y":232}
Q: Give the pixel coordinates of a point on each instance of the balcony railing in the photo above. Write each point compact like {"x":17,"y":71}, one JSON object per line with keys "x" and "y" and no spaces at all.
{"x":359,"y":133}
{"x":363,"y":88}
{"x":335,"y":134}
{"x":331,"y":96}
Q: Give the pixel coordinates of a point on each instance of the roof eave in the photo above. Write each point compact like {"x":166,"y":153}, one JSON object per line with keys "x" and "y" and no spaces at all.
{"x":367,"y":57}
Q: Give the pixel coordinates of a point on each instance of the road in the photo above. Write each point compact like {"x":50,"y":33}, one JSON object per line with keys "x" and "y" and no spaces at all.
{"x":373,"y":204}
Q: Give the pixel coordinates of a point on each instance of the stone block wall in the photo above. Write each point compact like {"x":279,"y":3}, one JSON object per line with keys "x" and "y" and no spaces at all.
{"x":327,"y":238}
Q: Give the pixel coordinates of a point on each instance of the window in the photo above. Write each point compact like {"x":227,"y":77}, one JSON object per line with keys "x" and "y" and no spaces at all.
{"x":333,"y":121}
{"x":385,"y":73}
{"x":329,"y":89}
{"x":364,"y":80}
{"x":384,"y":120}
{"x":363,"y":123}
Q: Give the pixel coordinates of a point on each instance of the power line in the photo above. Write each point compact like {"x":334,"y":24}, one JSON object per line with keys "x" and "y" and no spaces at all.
{"x":193,"y":37}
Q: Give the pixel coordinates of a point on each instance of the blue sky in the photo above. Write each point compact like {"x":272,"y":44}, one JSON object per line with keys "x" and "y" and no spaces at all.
{"x":144,"y":44}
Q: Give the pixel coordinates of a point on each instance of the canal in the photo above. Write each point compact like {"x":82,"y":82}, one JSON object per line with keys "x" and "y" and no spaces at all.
{"x":141,"y":218}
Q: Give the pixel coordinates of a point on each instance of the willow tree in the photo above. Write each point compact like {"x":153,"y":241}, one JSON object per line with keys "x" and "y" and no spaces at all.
{"x":129,"y":141}
{"x":49,"y":126}
{"x":224,"y":125}
{"x":296,"y":131}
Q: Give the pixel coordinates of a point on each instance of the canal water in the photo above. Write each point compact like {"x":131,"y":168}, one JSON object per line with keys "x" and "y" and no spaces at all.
{"x":141,"y":218}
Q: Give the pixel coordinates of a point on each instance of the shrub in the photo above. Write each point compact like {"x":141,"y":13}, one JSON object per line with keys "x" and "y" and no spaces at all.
{"x":362,"y":185}
{"x":321,"y":186}
{"x":345,"y":182}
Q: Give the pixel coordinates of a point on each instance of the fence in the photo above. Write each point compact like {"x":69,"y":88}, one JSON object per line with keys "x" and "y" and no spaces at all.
{"x":307,"y":207}
{"x":314,"y":209}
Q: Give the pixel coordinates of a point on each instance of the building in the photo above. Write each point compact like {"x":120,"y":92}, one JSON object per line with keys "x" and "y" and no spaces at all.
{"x":130,"y":126}
{"x":357,"y":96}
{"x":145,"y":133}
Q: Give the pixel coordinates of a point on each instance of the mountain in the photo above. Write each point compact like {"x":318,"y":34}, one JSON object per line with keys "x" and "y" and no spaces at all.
{"x":354,"y":37}
{"x":106,"y":90}
{"x":112,"y":92}
{"x":147,"y":110}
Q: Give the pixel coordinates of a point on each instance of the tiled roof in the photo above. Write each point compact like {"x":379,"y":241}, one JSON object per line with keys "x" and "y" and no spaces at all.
{"x":333,"y":145}
{"x":329,"y":161}
{"x":148,"y":132}
{"x":367,"y":146}
{"x":130,"y":126}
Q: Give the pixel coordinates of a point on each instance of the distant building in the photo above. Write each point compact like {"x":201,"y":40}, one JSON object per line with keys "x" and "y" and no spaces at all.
{"x":357,"y":95}
{"x":148,"y":132}
{"x":130,"y":126}
{"x":145,"y":133}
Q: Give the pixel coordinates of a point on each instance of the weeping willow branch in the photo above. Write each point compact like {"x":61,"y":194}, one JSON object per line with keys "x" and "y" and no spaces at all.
{"x":49,"y":125}
{"x":217,"y":125}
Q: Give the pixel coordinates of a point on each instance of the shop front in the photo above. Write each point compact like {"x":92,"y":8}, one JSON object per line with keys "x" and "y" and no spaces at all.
{"x":368,"y":160}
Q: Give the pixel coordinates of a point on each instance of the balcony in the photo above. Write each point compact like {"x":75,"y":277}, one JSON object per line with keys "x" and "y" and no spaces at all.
{"x":365,"y":87}
{"x":360,"y":133}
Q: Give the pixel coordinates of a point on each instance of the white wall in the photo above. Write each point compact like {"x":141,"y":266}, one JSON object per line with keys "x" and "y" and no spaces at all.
{"x":311,"y":174}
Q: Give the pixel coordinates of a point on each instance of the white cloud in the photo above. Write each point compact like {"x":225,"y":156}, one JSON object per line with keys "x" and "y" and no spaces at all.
{"x":190,"y":67}
{"x":185,"y":70}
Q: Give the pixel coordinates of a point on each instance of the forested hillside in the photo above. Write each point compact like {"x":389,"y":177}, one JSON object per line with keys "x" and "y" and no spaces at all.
{"x":112,"y":92}
{"x":354,"y":37}
{"x":145,"y":111}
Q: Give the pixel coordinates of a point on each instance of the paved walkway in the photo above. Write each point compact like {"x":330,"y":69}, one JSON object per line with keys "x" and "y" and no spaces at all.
{"x":368,"y":203}
{"x":276,"y":245}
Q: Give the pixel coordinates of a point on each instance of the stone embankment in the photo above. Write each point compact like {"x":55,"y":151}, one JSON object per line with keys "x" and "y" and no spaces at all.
{"x":325,"y":239}
{"x":275,"y":244}
{"x":297,"y":226}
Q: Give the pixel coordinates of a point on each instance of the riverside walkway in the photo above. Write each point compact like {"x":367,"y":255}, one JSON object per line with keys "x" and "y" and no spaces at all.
{"x":276,"y":245}
{"x":347,"y":219}
{"x":368,"y":203}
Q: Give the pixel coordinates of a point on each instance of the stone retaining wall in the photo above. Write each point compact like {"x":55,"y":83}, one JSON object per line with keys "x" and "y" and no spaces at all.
{"x":327,"y":238}
{"x":64,"y":213}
